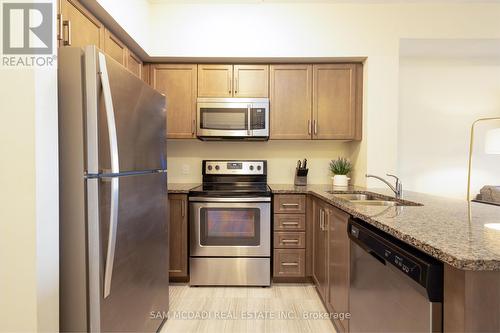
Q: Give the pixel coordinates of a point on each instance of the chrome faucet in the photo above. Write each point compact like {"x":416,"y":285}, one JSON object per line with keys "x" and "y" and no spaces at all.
{"x":398,"y":189}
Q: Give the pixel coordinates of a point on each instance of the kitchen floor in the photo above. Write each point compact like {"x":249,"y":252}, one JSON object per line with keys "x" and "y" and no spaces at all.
{"x":283,"y":308}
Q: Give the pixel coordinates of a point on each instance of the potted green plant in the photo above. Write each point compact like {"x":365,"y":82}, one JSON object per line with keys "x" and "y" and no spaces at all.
{"x":340,"y":168}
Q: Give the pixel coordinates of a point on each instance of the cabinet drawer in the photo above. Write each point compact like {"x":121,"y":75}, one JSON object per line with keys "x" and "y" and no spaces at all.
{"x":289,"y":204}
{"x":289,"y":240}
{"x":289,"y":222}
{"x":289,"y":263}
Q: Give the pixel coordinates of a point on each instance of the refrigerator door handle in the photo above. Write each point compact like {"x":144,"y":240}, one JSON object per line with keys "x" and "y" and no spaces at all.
{"x":115,"y":168}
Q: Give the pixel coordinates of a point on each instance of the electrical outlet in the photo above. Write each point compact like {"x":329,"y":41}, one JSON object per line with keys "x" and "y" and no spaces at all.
{"x":186,"y":170}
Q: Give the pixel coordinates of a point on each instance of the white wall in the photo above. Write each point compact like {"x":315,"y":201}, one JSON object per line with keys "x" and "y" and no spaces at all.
{"x":325,"y":30}
{"x":185,"y":156}
{"x":29,"y":255}
{"x":439,"y":99}
{"x":133,"y":16}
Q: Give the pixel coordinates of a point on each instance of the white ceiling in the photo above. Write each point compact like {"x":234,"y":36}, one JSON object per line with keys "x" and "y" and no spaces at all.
{"x":318,"y":1}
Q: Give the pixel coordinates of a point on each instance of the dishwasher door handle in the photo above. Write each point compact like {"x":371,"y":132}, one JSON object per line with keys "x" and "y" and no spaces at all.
{"x":376,"y":256}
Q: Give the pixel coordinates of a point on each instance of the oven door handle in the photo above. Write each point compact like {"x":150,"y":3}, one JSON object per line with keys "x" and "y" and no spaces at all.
{"x":211,"y":199}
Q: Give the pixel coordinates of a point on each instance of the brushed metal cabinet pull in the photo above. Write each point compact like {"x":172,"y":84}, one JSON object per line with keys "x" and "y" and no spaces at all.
{"x":284,"y":241}
{"x":67,"y":23}
{"x":289,"y":264}
{"x":290,"y":204}
{"x":290,"y":223}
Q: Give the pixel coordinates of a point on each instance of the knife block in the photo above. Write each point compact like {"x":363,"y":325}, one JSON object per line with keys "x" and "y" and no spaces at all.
{"x":301,"y":177}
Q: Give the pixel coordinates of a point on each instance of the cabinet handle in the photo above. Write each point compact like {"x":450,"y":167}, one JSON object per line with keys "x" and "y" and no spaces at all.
{"x":193,"y":127}
{"x":229,"y":83}
{"x":315,"y":127}
{"x":236,"y":85}
{"x":290,"y":241}
{"x":290,"y":223}
{"x":290,"y":204}
{"x":67,"y":23}
{"x":325,"y":220}
{"x":321,"y":219}
{"x":289,"y":264}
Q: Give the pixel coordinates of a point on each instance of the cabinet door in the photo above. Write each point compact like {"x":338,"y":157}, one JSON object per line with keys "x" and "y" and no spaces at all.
{"x":178,"y":83}
{"x":134,"y":64}
{"x":338,"y":263}
{"x":215,"y":80}
{"x":115,"y":48}
{"x":319,"y":248}
{"x":334,"y":101}
{"x":178,"y":235}
{"x":290,"y":98}
{"x":251,"y":80}
{"x":80,"y":27}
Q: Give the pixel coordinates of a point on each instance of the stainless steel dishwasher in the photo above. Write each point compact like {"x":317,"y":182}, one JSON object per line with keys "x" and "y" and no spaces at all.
{"x":394,"y":287}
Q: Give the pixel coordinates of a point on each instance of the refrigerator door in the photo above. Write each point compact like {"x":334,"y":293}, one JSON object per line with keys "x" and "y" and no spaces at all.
{"x":138,"y":122}
{"x":138,"y":275}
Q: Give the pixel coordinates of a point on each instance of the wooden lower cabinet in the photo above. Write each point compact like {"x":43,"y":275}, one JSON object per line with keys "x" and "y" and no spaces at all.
{"x":178,"y":234}
{"x":338,"y":265}
{"x":331,"y":262}
{"x":320,"y":248}
{"x":289,"y":263}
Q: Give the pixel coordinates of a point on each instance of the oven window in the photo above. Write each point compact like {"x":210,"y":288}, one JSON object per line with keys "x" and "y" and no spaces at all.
{"x":224,"y":119}
{"x":230,"y":226}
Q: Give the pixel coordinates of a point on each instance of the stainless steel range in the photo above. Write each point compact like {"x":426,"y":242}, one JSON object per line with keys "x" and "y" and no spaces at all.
{"x":230,"y":225}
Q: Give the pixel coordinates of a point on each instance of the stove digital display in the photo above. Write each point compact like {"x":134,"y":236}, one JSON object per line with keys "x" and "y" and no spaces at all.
{"x":235,"y":166}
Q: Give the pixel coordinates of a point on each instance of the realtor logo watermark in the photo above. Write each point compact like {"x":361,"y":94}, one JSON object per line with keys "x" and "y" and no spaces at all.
{"x":27,"y":34}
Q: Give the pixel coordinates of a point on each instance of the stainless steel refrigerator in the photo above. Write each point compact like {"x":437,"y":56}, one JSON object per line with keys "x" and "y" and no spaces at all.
{"x":113,"y":197}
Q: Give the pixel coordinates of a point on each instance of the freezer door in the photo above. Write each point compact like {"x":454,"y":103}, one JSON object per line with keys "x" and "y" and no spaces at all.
{"x":138,"y":288}
{"x":139,"y":120}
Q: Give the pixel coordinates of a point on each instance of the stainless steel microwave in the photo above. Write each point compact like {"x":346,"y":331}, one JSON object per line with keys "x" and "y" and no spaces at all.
{"x":232,"y":118}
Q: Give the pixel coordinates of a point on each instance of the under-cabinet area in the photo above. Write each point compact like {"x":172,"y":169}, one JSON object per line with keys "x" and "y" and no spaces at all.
{"x":323,"y":237}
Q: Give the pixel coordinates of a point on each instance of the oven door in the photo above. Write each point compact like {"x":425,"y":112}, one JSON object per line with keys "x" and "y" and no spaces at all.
{"x":230,"y":229}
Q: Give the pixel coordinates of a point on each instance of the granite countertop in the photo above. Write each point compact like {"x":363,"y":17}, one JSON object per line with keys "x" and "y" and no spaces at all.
{"x":440,"y":227}
{"x":180,"y":188}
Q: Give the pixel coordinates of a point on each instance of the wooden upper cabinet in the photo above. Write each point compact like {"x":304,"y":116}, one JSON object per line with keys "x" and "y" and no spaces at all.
{"x":115,"y":48}
{"x":251,"y":80}
{"x":215,"y":80}
{"x":334,"y":101}
{"x":134,"y":64}
{"x":178,"y":83}
{"x":290,"y":101}
{"x":80,"y":27}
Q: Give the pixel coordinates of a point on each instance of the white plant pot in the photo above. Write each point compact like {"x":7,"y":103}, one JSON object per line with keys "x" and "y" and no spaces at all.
{"x":340,"y":180}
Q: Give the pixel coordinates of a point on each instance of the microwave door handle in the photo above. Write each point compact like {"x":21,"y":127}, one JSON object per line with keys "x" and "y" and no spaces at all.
{"x":249,"y":118}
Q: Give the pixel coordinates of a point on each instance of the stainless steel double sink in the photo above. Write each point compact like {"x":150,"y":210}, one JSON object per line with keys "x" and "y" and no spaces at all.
{"x":371,"y":199}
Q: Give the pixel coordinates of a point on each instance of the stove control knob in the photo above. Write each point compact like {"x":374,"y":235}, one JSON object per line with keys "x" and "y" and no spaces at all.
{"x":251,"y":167}
{"x":259,"y":167}
{"x":209,"y":167}
{"x":217,"y":167}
